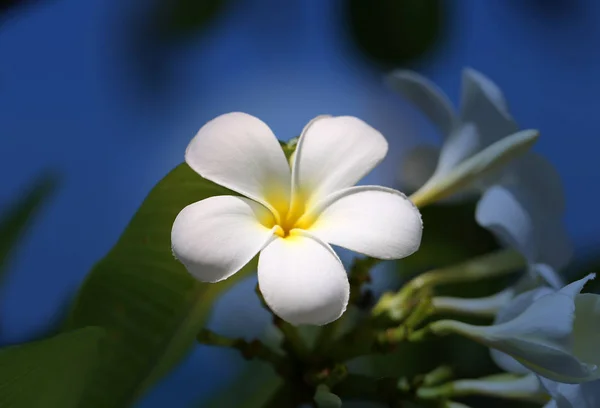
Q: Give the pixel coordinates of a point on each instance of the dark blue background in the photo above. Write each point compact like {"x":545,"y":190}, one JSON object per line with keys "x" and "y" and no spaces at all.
{"x":71,"y":99}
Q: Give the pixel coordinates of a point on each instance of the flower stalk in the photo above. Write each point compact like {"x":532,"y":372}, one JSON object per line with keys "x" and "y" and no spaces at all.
{"x":495,"y":264}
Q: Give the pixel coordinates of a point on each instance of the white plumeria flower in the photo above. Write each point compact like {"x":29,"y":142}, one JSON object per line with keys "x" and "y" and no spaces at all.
{"x":555,"y":334}
{"x":584,"y":395}
{"x":292,"y":215}
{"x":523,"y":203}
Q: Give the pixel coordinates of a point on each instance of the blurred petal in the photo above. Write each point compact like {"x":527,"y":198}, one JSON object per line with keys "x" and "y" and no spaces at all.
{"x":484,"y":106}
{"x":240,"y":152}
{"x":512,"y":309}
{"x":460,"y":145}
{"x":500,"y":212}
{"x":426,"y":96}
{"x":539,"y":183}
{"x":335,"y":153}
{"x":540,"y":238}
{"x":372,"y":220}
{"x":418,"y":167}
{"x":542,"y":337}
{"x":509,"y":386}
{"x":216,"y":237}
{"x":302,"y":280}
{"x":475,"y":167}
{"x":585,"y":395}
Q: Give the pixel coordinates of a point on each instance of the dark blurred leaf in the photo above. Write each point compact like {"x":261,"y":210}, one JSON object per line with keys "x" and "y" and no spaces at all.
{"x":48,"y":373}
{"x":450,"y":235}
{"x":394,"y":32}
{"x":180,"y":19}
{"x":166,"y":25}
{"x":15,"y":221}
{"x":150,"y":306}
{"x":7,"y":5}
{"x":254,"y":387}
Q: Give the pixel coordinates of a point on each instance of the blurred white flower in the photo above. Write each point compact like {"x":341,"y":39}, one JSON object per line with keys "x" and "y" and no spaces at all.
{"x":554,"y":334}
{"x":584,"y":395}
{"x":523,"y":203}
{"x":292,"y":215}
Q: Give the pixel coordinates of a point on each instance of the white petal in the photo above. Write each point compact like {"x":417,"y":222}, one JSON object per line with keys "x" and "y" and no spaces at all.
{"x":541,"y":337}
{"x":483,"y":105}
{"x":426,"y":96}
{"x":334,"y":153}
{"x":585,"y":395}
{"x":540,"y":237}
{"x":500,"y":212}
{"x":302,"y":280}
{"x":418,"y":167}
{"x":216,"y":237}
{"x":372,"y":220}
{"x":511,"y":310}
{"x":462,"y":143}
{"x":538,"y":182}
{"x":507,"y":363}
{"x":240,"y":152}
{"x":475,"y":167}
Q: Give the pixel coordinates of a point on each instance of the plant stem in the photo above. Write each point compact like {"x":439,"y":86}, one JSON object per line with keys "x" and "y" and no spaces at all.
{"x":487,"y":266}
{"x":253,"y":349}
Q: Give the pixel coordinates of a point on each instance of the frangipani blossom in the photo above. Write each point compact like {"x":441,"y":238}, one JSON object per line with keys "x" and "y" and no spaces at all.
{"x":555,"y":334}
{"x":523,"y":203}
{"x":291,"y":215}
{"x":584,"y":395}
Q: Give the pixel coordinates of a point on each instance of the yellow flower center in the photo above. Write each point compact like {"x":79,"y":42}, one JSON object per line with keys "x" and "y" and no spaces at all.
{"x":289,"y":215}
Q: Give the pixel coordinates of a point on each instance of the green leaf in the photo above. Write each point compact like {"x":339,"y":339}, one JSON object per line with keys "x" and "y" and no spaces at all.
{"x":151,"y":307}
{"x":254,"y":388}
{"x":324,"y":398}
{"x":48,"y":373}
{"x":15,"y":220}
{"x":395,"y":32}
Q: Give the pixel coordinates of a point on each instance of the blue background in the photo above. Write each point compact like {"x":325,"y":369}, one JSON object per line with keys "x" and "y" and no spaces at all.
{"x":72,"y":99}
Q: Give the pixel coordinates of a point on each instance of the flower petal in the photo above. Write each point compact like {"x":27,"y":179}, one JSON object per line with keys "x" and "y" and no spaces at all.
{"x":214,"y":238}
{"x":538,"y":183}
{"x":240,"y":152}
{"x":372,"y":220}
{"x":585,"y":395}
{"x":426,"y":96}
{"x":501,"y":213}
{"x":462,"y":143}
{"x":475,"y":168}
{"x":540,"y":237}
{"x":334,"y":153}
{"x":302,"y":280}
{"x":484,"y":105}
{"x":542,"y":336}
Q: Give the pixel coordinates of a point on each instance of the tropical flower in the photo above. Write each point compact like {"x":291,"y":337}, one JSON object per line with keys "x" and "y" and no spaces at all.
{"x":584,"y":395}
{"x":291,"y":215}
{"x":551,"y":333}
{"x":523,"y":203}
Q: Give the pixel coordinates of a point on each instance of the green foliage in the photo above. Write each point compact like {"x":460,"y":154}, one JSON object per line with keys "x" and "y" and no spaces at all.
{"x":394,"y":32}
{"x":178,"y":19}
{"x":48,"y":373}
{"x":326,"y":399}
{"x":15,"y":220}
{"x":254,"y":388}
{"x":150,"y":306}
